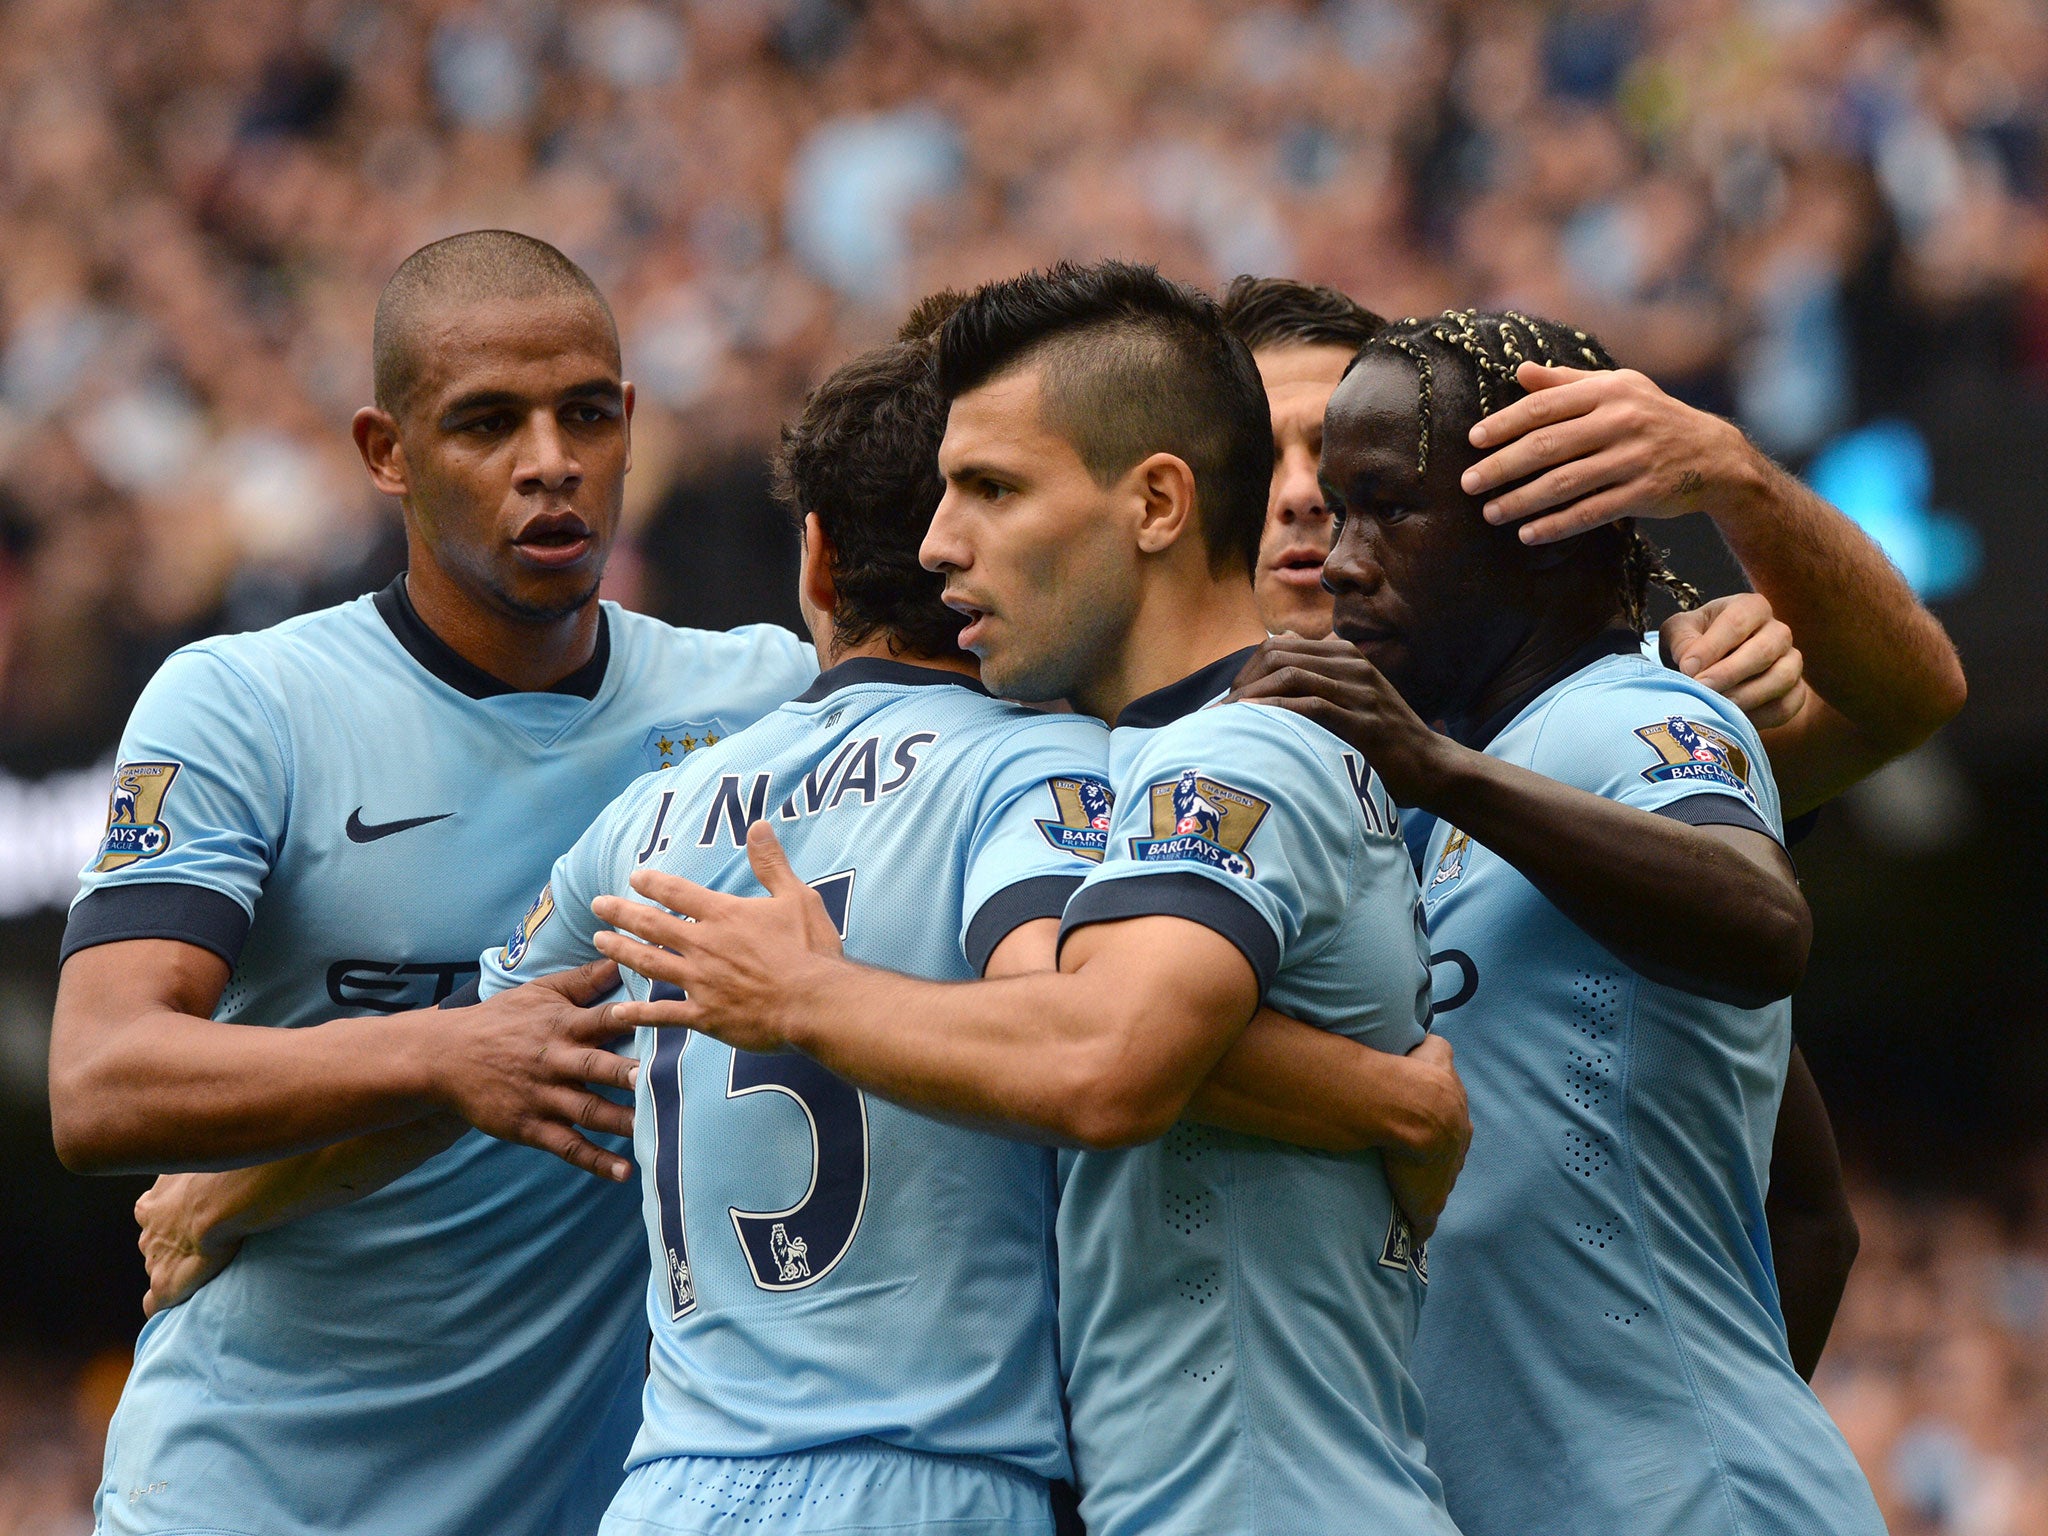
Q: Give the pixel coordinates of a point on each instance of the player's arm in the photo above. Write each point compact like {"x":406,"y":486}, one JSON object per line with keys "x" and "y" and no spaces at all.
{"x":1586,"y":448}
{"x":142,"y":1080}
{"x":1813,"y":1230}
{"x":1289,"y":1081}
{"x":1712,"y":910}
{"x":1105,"y":1052}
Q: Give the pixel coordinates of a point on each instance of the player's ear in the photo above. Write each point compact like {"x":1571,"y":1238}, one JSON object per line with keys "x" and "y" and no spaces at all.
{"x":815,"y":587}
{"x":1165,"y":488}
{"x":376,"y":434}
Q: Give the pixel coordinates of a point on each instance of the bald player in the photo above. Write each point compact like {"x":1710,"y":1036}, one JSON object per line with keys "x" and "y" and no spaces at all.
{"x":313,"y":832}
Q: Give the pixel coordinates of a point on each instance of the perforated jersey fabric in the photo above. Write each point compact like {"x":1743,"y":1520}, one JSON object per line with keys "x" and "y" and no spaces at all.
{"x":349,"y":823}
{"x":828,"y":1266}
{"x":1235,"y":1315}
{"x":1603,"y":1348}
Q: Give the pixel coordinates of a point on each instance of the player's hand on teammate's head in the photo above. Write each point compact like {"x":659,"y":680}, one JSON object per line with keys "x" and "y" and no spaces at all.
{"x":526,"y":1064}
{"x":1333,"y":683}
{"x":1589,"y":446}
{"x":179,"y":1248}
{"x":740,"y":960}
{"x":1744,"y":652}
{"x":1422,"y":1171}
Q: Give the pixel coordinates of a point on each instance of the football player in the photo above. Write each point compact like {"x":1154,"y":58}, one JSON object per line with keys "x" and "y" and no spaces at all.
{"x":1618,"y":927}
{"x":1234,"y":1314}
{"x":317,"y":828}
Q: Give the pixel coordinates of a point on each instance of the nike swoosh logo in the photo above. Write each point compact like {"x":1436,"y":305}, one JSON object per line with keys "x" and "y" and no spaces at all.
{"x":360,"y":831}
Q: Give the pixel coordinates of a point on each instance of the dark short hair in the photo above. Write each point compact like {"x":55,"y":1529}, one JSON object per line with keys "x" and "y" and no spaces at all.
{"x":1280,"y":312}
{"x":1135,"y":364}
{"x":864,"y":456}
{"x":471,"y":268}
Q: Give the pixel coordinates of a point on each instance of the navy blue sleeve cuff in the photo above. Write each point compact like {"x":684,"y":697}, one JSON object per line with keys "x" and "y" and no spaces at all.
{"x":1178,"y":894}
{"x":1011,"y":908}
{"x":468,"y":995}
{"x":157,"y":909}
{"x":1717,"y":811}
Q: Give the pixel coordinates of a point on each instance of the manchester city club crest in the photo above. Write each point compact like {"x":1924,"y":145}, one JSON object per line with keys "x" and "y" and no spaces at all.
{"x":667,"y":745}
{"x":1084,"y":806}
{"x":1690,"y":750}
{"x":136,"y":829}
{"x":1204,"y":820}
{"x":1451,"y":864}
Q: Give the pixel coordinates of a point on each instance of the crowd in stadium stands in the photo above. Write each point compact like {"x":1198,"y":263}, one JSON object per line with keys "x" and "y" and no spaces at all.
{"x":1937,"y":1373}
{"x":1778,"y":207}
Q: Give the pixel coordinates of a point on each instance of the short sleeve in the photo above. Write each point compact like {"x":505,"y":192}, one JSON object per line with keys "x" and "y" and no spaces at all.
{"x":1041,"y":821}
{"x":196,"y":813}
{"x":1656,"y":740}
{"x":557,"y":932}
{"x":1233,"y":818}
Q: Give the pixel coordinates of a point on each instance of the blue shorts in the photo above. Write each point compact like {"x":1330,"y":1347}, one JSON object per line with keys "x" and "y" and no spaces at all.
{"x":862,"y":1485}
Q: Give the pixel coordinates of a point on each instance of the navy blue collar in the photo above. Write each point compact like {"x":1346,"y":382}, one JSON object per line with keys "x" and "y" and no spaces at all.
{"x":878,"y":669}
{"x":465,"y":676}
{"x":1609,"y":642}
{"x":1163,"y":706}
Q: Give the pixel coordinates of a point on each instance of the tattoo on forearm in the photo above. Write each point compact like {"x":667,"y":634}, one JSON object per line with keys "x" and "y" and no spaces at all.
{"x":1691,"y":483}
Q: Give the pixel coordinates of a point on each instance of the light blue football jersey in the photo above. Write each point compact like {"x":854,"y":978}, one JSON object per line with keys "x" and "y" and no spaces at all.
{"x":348,"y":812}
{"x":1603,"y":1349}
{"x":1235,"y":1315}
{"x":828,"y":1267}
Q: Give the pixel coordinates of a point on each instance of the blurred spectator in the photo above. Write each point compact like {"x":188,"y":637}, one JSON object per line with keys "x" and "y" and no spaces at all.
{"x":1746,"y":197}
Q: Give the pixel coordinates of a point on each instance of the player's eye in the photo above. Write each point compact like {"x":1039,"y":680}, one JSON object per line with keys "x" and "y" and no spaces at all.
{"x":589,"y":415}
{"x":488,"y":426}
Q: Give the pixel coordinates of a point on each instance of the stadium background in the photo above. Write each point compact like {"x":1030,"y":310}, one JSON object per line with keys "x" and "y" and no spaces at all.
{"x":1826,"y":218}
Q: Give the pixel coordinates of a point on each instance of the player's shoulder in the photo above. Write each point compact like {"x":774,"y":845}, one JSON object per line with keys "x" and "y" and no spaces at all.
{"x":769,"y":651}
{"x":1258,"y":738}
{"x":1628,"y":707}
{"x":327,"y":641}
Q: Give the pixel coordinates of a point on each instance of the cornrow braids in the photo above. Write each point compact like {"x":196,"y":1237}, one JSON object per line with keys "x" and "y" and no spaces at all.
{"x":1491,"y":346}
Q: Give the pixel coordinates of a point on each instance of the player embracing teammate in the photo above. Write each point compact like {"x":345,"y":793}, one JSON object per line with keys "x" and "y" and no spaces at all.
{"x":853,"y":1302}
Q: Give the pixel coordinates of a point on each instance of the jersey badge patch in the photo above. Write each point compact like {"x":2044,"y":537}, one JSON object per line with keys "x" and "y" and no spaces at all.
{"x":1204,"y":820}
{"x":667,"y":745}
{"x":542,"y":909}
{"x":1696,"y":752}
{"x":1451,"y":865}
{"x":135,"y":826}
{"x":1402,"y":1251}
{"x":1084,"y":805}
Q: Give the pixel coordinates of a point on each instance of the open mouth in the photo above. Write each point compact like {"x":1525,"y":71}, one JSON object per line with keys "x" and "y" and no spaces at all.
{"x":1300,"y":567}
{"x":554,"y":539}
{"x":977,"y":619}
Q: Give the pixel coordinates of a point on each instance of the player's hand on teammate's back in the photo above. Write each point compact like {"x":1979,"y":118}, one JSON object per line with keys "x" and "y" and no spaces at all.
{"x":1423,"y":1166}
{"x":181,"y":1249}
{"x":1739,"y":648}
{"x":1330,"y":682}
{"x":740,"y":959}
{"x":1586,"y":447}
{"x":524,"y":1066}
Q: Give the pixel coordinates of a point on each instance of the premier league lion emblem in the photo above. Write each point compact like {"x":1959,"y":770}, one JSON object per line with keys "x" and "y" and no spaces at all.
{"x":792,"y":1255}
{"x":135,"y":826}
{"x":1084,"y":806}
{"x":1690,"y":750}
{"x":1203,"y":819}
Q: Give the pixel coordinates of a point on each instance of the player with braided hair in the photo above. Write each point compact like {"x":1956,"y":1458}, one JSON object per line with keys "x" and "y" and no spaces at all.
{"x":1616,"y":929}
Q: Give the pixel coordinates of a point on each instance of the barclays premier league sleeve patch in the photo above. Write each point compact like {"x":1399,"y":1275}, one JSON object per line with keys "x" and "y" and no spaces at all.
{"x":1084,"y":804}
{"x":536,"y":916}
{"x":1200,"y":820}
{"x":136,"y":829}
{"x":1697,"y":753}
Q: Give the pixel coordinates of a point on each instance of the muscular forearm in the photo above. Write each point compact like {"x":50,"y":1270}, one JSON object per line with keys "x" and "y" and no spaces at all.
{"x":1669,"y":900}
{"x":1871,"y":650}
{"x":1813,"y":1231}
{"x":165,"y":1090}
{"x":1288,"y":1081}
{"x":235,"y":1204}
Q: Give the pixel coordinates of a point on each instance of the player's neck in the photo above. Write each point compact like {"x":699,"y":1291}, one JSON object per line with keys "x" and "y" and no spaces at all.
{"x":830,"y":654}
{"x":525,"y":654}
{"x":1181,"y":627}
{"x":1556,"y":637}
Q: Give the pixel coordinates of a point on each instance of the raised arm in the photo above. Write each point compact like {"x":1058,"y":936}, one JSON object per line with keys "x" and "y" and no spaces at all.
{"x":144,"y":1080}
{"x":1713,"y":910}
{"x":1593,"y":447}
